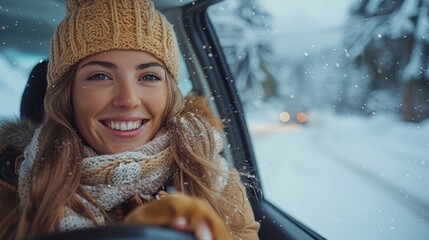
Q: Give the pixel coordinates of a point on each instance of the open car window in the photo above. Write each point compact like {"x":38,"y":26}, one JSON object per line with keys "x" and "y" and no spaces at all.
{"x":336,"y":99}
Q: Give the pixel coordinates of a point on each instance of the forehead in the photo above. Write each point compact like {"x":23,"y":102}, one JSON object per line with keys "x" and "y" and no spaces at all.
{"x":122,"y":57}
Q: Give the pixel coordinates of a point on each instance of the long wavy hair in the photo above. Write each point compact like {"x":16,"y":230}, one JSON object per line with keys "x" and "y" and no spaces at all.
{"x":56,"y":171}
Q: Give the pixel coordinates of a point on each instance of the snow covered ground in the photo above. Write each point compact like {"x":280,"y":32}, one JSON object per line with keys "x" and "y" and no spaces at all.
{"x":347,"y":177}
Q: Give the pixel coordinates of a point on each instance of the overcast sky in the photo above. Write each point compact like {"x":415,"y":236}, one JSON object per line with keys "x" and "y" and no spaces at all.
{"x":307,"y":24}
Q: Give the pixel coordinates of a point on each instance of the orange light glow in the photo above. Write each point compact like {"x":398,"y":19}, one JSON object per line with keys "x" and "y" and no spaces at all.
{"x":284,"y":117}
{"x":301,"y":117}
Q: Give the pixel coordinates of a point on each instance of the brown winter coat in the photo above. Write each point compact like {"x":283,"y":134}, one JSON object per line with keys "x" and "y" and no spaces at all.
{"x":14,"y":137}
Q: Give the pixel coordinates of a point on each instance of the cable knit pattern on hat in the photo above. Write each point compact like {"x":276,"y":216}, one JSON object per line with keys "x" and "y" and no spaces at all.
{"x":93,"y":26}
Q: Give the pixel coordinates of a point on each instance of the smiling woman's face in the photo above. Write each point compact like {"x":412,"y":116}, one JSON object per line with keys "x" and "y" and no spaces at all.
{"x":119,"y":99}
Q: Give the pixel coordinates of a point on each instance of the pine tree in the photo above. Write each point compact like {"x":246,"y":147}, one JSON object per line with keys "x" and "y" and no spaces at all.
{"x":242,"y":28}
{"x":390,"y":39}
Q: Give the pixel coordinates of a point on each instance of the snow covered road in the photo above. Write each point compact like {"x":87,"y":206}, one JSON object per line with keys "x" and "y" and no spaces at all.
{"x":349,"y":177}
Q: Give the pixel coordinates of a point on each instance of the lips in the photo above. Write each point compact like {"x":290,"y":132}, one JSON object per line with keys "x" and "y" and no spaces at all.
{"x":124,"y":125}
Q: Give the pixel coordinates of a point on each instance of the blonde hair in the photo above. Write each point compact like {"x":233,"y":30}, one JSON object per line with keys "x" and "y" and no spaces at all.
{"x":56,"y":169}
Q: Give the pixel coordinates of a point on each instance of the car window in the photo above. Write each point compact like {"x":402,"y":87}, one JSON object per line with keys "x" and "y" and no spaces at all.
{"x":336,"y":99}
{"x":15,"y":67}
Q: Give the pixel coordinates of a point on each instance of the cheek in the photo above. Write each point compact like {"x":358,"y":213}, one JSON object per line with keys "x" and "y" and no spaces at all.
{"x":85,"y":104}
{"x":158,"y":104}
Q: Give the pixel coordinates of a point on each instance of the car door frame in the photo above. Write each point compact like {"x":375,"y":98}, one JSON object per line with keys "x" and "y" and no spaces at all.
{"x":203,"y":53}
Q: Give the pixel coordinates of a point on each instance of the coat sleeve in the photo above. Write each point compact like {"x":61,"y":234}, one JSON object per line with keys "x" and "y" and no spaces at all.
{"x":8,"y":201}
{"x":15,"y":135}
{"x":241,"y":219}
{"x":9,"y":162}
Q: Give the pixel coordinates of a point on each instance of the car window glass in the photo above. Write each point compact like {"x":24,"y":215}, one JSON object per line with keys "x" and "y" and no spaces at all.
{"x":15,"y":68}
{"x":336,"y":99}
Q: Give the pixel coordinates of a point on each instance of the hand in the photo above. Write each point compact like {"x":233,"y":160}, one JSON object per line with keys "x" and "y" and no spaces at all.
{"x":182,"y":213}
{"x":202,"y":229}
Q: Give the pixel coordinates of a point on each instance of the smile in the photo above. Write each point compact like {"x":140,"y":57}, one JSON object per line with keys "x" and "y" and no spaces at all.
{"x":124,"y":125}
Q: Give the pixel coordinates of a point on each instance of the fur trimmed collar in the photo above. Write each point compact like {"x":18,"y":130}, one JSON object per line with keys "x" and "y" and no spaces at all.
{"x":15,"y":135}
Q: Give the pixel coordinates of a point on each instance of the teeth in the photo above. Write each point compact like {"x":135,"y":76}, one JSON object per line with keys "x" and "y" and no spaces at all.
{"x":124,"y":126}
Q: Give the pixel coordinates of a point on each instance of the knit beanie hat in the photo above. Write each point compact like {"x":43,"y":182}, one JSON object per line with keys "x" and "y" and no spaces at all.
{"x":93,"y":26}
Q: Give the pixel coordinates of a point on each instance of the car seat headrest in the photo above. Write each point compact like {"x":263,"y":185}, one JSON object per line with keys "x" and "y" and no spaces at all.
{"x":32,"y":101}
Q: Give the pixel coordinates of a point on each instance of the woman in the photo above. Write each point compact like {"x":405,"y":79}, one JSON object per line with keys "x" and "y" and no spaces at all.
{"x":117,"y":130}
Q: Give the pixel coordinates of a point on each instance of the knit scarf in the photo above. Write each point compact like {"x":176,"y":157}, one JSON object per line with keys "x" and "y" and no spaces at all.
{"x":110,"y":179}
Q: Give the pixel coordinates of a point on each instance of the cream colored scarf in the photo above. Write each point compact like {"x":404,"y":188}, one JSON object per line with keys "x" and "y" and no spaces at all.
{"x":110,"y":179}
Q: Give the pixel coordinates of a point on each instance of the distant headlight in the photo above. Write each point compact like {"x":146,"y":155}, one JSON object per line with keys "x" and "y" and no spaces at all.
{"x":301,"y":117}
{"x":284,"y":117}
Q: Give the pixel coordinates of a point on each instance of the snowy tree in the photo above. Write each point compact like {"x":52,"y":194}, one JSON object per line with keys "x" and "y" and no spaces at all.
{"x":390,"y":39}
{"x":242,"y":27}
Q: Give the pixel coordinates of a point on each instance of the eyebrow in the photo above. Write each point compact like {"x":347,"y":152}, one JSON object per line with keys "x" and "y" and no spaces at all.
{"x":113,"y":66}
{"x":150,"y":64}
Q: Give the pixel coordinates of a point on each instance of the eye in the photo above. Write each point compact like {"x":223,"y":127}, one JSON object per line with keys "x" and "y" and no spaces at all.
{"x":150,"y":78}
{"x":99,"y":77}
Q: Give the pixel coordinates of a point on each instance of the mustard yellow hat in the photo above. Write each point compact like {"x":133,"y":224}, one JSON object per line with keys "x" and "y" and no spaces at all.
{"x":93,"y":26}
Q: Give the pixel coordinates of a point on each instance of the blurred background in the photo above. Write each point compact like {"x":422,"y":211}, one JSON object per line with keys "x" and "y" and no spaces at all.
{"x":336,"y":97}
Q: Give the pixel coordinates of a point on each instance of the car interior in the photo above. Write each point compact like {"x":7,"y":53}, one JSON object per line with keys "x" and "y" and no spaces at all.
{"x":210,"y":76}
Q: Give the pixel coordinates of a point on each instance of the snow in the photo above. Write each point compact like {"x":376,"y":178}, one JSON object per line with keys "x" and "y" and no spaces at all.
{"x":347,"y":177}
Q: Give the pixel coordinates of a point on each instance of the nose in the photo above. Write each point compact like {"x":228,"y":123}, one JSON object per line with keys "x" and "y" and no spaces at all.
{"x":126,"y":95}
